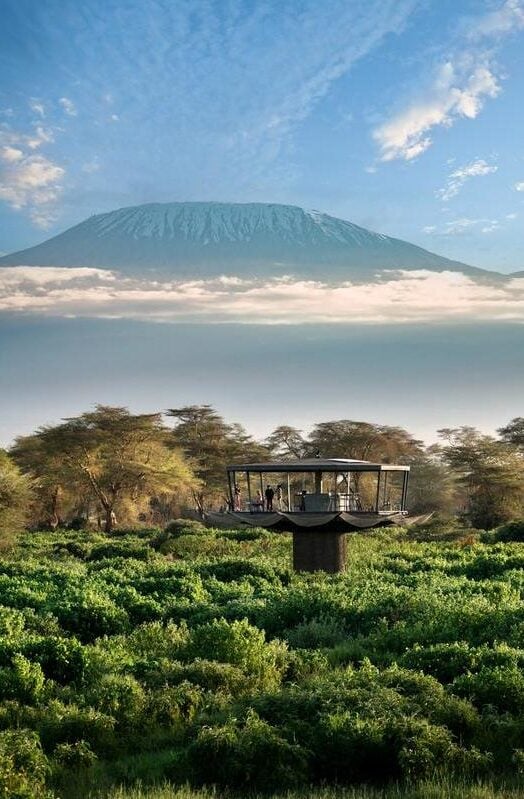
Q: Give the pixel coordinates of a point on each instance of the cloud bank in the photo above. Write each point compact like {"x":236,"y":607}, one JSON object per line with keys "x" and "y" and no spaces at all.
{"x":392,"y":297}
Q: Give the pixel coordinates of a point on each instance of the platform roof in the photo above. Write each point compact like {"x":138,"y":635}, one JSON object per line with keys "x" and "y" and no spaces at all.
{"x":317,"y":465}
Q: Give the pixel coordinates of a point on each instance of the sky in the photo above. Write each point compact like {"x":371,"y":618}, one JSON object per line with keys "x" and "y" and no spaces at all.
{"x":403,"y":116}
{"x":422,"y":378}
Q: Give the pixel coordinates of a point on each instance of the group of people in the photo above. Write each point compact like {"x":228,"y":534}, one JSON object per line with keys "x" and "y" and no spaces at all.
{"x":262,"y":502}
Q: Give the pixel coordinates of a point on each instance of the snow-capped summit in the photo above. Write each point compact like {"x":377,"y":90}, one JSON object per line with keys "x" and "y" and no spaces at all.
{"x":206,"y":239}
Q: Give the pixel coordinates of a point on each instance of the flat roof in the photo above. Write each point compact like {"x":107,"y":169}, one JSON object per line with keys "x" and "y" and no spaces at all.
{"x":318,"y":465}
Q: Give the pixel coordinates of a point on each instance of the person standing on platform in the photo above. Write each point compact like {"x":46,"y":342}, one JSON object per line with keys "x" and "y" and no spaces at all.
{"x":269,"y":498}
{"x":238,"y":500}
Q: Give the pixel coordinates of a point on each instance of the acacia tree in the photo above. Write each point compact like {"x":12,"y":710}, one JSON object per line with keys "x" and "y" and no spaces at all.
{"x":513,"y":432}
{"x":15,"y":497}
{"x":211,"y":443}
{"x":287,"y":442}
{"x":346,"y":438}
{"x":117,"y":457}
{"x":50,"y":500}
{"x":490,"y":472}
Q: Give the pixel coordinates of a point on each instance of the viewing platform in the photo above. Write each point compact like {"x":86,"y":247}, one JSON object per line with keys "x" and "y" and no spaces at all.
{"x":318,"y":500}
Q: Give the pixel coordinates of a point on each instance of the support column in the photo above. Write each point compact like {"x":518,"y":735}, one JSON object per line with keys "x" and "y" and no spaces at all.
{"x":317,"y":550}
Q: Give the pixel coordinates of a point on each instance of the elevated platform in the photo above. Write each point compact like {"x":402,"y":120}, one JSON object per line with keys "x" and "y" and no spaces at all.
{"x":318,"y":500}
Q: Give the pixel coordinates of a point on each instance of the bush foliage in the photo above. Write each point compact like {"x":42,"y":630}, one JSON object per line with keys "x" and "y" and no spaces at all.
{"x":122,"y":660}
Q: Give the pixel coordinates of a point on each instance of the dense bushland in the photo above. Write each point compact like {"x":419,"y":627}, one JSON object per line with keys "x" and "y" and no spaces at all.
{"x":197,"y":656}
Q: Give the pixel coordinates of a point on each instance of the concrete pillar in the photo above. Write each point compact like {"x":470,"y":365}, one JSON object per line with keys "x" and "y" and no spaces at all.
{"x":319,"y":550}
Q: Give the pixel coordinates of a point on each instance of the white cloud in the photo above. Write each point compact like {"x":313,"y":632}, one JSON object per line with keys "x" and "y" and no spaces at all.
{"x":397,"y":297}
{"x":11,"y":154}
{"x":40,"y":137}
{"x":511,"y":216}
{"x":459,"y":177}
{"x":464,"y":225}
{"x":68,"y":106}
{"x":519,"y":186}
{"x":458,"y":90}
{"x":16,"y":276}
{"x":37,"y":107}
{"x":32,"y":182}
{"x":29,"y":180}
{"x":459,"y":226}
{"x":508,"y":18}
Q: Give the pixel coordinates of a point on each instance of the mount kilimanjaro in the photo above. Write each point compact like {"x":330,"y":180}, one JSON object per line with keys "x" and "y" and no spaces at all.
{"x":208,"y":239}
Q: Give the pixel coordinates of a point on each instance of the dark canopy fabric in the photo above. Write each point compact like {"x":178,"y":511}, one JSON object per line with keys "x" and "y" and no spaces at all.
{"x":331,"y":522}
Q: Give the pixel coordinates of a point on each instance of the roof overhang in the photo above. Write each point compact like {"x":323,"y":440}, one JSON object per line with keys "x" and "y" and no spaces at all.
{"x":336,"y":465}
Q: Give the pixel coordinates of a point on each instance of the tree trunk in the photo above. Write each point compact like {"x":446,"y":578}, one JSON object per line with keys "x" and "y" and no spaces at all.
{"x":109,"y":519}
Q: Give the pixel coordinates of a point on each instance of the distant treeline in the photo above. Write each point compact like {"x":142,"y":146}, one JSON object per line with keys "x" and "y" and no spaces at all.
{"x":109,"y":466}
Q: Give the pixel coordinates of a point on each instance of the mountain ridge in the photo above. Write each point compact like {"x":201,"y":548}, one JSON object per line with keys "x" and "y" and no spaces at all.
{"x":205,"y":239}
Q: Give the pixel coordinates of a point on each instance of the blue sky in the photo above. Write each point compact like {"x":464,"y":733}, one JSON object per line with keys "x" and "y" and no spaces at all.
{"x":404,"y":116}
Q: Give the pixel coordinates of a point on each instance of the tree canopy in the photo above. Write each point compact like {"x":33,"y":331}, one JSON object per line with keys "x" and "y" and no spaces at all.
{"x":114,"y":456}
{"x":490,"y":473}
{"x":15,"y":497}
{"x":210,"y":443}
{"x":114,"y":465}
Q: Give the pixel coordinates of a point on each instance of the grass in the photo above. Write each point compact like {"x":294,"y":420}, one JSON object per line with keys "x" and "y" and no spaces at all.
{"x":424,"y":790}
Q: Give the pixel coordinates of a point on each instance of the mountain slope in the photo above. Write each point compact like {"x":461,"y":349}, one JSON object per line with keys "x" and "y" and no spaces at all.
{"x":208,"y":239}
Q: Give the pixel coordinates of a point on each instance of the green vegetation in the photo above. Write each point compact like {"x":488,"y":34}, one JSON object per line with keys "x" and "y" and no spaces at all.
{"x":196,"y":657}
{"x":15,"y":498}
{"x":164,"y":659}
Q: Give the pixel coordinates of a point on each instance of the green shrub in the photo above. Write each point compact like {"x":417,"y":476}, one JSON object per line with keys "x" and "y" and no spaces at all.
{"x":423,"y":748}
{"x":172,"y":707}
{"x":242,"y":645}
{"x":212,"y":676}
{"x":245,"y":534}
{"x":90,"y":616}
{"x":64,"y":660}
{"x":22,"y":680}
{"x":119,"y":696}
{"x":246,"y":755}
{"x":175,"y":529}
{"x":348,"y":748}
{"x":74,"y":756}
{"x":511,"y":531}
{"x":71,"y":724}
{"x":316,"y":633}
{"x":120,"y":549}
{"x":157,"y":639}
{"x":23,"y":766}
{"x":500,"y":687}
{"x":74,"y":548}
